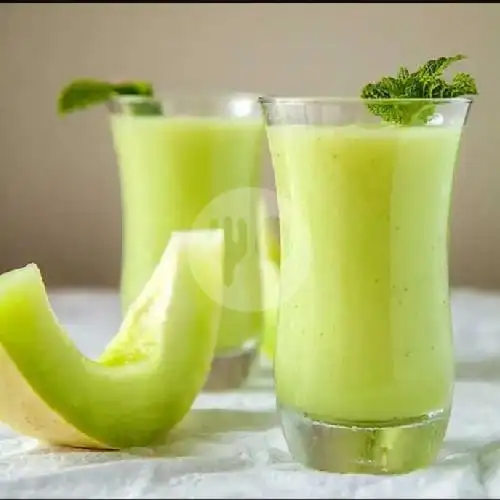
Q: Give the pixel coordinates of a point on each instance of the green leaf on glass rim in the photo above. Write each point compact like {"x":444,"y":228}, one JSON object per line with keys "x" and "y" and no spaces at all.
{"x":85,"y":93}
{"x":426,"y":82}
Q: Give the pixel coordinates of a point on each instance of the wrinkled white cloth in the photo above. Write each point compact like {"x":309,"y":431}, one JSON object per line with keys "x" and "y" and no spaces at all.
{"x":230,"y":445}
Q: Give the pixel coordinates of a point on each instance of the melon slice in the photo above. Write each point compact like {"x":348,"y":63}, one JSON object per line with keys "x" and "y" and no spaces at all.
{"x":146,"y":379}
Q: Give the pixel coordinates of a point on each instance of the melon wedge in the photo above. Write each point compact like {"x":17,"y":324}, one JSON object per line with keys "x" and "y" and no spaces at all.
{"x":146,"y":379}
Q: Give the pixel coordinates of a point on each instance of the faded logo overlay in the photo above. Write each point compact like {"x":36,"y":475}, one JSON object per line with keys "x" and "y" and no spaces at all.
{"x":252,"y":281}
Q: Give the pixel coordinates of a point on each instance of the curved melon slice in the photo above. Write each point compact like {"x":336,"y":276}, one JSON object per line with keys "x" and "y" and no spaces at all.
{"x":147,"y":378}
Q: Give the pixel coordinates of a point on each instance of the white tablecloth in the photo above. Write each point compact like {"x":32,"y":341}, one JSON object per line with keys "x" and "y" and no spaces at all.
{"x":230,"y":446}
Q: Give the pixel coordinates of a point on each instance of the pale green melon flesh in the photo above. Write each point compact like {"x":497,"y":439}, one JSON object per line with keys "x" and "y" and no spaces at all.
{"x":147,"y":378}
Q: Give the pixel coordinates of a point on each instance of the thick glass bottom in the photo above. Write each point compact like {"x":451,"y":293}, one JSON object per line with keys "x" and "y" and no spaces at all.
{"x":231,"y":369}
{"x":392,"y":447}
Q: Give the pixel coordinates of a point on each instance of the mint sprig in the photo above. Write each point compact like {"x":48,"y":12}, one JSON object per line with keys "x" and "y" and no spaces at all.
{"x":427,"y":82}
{"x":84,"y":93}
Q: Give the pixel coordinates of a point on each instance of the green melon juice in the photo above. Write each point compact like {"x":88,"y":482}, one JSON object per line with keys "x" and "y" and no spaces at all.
{"x":171,"y":169}
{"x":365,"y":341}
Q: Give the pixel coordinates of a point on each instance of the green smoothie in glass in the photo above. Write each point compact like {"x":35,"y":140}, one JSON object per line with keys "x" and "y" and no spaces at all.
{"x":364,"y":356}
{"x":186,"y":162}
{"x":383,"y":194}
{"x":170,"y":170}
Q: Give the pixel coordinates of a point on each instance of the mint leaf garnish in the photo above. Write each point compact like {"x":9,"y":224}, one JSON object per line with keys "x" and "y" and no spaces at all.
{"x":426,"y":82}
{"x":84,"y":93}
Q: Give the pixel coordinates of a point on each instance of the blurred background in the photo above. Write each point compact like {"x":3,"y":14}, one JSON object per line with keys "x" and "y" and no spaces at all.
{"x":59,"y":191}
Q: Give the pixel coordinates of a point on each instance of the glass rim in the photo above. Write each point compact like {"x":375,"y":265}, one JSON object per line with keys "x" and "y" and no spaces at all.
{"x":208,"y":96}
{"x":358,"y":100}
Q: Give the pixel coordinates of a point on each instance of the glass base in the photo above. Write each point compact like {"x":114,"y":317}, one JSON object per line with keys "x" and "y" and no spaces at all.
{"x":230,"y":370}
{"x":393,"y":447}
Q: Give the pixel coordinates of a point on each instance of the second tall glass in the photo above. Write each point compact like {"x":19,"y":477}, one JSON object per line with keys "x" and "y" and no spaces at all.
{"x":190,"y":161}
{"x":364,"y":358}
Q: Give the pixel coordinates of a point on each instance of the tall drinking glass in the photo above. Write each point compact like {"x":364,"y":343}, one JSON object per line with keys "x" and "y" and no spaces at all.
{"x":364,"y":361}
{"x":193,"y":161}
